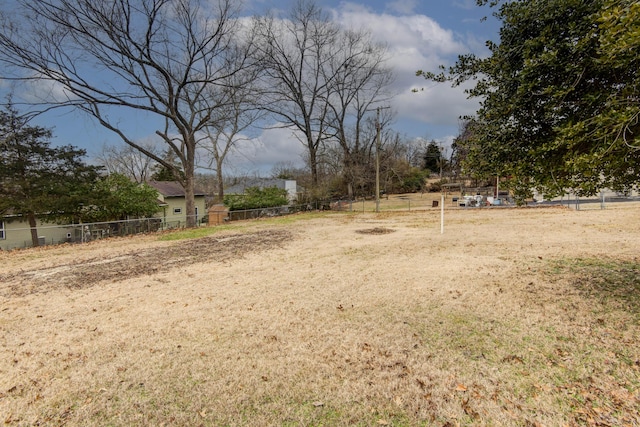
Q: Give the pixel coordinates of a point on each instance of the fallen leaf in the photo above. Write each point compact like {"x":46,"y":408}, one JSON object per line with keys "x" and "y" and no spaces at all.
{"x":383,"y":422}
{"x":513,"y":358}
{"x":318,"y":404}
{"x":469,"y":411}
{"x":461,"y":387}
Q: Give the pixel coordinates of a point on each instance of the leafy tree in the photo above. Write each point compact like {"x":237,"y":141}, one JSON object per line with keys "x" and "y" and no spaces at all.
{"x":117,"y":197}
{"x":255,"y":198}
{"x":37,"y":180}
{"x":433,"y":157}
{"x":467,"y":157}
{"x":560,"y":96}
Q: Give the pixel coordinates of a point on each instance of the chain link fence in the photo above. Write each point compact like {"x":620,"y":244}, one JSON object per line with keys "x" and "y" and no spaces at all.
{"x":17,"y":237}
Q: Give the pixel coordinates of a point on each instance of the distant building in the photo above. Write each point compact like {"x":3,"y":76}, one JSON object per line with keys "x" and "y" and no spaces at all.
{"x":172,"y":202}
{"x":15,"y":232}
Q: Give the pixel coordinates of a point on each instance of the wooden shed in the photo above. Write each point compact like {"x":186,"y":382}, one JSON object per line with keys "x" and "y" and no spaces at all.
{"x":218,"y":214}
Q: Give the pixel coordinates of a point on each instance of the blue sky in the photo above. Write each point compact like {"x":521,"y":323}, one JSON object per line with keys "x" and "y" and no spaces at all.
{"x":420,"y":35}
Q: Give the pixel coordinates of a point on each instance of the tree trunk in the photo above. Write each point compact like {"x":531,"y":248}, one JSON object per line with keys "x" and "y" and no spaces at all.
{"x":34,"y":231}
{"x":189,"y":197}
{"x":220,"y":183}
{"x":189,"y":185}
{"x":313,"y":161}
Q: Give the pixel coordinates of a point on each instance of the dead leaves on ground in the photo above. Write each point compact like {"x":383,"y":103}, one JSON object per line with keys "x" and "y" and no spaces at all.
{"x":89,"y":272}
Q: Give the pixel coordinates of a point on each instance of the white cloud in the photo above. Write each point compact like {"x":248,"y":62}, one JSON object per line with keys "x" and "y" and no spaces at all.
{"x":437,"y":103}
{"x":400,"y":32}
{"x":42,"y":90}
{"x":416,"y":42}
{"x":274,"y":145}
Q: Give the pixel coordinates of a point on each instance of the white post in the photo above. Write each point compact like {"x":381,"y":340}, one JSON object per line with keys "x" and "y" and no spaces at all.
{"x":442,"y":213}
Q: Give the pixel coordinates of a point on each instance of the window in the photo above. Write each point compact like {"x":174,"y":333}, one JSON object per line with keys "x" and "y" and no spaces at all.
{"x":2,"y":236}
{"x":177,"y":211}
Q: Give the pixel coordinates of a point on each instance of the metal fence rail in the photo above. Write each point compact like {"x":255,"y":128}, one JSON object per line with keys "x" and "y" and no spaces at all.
{"x":593,"y":203}
{"x":52,"y":234}
{"x":49,"y":234}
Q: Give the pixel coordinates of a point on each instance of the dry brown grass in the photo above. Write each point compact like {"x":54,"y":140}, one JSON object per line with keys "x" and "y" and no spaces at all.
{"x":512,"y":317}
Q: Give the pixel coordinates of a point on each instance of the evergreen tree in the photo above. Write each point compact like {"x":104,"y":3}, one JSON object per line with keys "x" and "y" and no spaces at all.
{"x":37,"y":180}
{"x":432,"y":157}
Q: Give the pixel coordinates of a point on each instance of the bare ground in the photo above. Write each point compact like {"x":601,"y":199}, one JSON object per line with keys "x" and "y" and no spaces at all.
{"x":511,"y":317}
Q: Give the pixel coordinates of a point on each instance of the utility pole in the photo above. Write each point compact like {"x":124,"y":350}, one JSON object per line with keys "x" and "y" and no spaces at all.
{"x":441,"y":159}
{"x":378,"y":159}
{"x":378,"y":127}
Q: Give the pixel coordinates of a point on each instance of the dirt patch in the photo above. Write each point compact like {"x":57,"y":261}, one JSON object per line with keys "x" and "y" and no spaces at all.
{"x":89,"y":272}
{"x":376,"y":230}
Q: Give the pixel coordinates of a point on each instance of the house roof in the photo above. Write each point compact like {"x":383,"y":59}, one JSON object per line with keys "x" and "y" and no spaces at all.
{"x":258,"y":182}
{"x":173,"y":188}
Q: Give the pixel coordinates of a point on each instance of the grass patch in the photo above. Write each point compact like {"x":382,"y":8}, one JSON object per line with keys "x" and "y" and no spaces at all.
{"x":195,"y":233}
{"x":294,"y":218}
{"x":615,"y":283}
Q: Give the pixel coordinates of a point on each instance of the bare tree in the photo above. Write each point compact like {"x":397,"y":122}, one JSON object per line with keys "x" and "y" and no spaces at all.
{"x":412,"y":151}
{"x":128,"y":161}
{"x":323,"y":81}
{"x":296,"y":52}
{"x":153,"y":57}
{"x":359,"y":78}
{"x":237,"y":111}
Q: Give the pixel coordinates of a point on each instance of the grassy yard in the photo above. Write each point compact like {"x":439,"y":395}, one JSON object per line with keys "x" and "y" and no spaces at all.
{"x":523,"y":317}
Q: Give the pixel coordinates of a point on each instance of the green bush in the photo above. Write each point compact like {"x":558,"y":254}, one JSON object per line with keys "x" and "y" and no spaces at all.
{"x":256,"y":198}
{"x":414,"y":180}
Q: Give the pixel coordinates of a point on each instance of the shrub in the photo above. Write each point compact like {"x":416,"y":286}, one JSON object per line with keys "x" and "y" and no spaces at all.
{"x":256,"y":198}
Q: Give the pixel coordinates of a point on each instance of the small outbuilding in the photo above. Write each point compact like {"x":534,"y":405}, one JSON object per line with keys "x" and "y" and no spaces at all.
{"x":218,"y":214}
